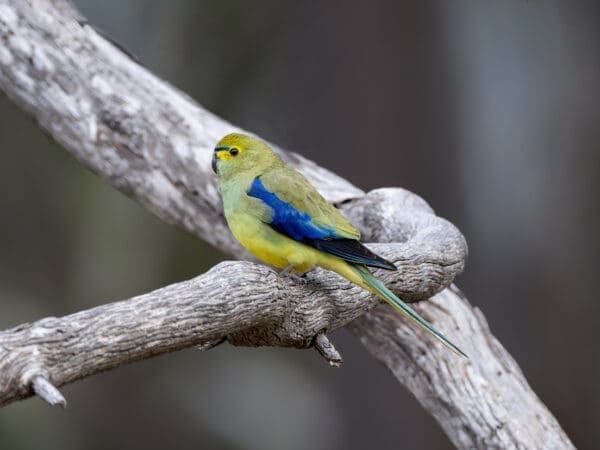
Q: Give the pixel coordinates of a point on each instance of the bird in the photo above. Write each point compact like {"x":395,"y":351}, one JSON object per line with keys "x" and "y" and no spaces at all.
{"x":279,"y":216}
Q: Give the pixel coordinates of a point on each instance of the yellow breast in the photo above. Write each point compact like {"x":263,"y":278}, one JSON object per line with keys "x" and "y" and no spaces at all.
{"x":270,"y":246}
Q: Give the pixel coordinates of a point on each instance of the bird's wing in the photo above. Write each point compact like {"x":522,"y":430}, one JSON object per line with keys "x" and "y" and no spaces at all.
{"x":301,"y":213}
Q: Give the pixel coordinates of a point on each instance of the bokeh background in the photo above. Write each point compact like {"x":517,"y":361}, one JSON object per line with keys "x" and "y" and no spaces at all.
{"x":489,"y":110}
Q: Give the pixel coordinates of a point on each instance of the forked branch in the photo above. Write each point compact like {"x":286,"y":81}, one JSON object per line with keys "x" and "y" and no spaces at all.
{"x":154,"y":143}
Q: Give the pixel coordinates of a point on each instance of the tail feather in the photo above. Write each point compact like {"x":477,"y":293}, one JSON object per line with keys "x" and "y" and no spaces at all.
{"x":379,"y":288}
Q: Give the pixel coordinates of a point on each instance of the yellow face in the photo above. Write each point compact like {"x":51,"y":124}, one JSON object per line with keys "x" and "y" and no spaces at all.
{"x":226,"y":150}
{"x":237,"y":153}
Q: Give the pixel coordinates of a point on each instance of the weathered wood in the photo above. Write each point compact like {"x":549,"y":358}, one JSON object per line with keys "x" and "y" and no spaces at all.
{"x":243,"y":302}
{"x":154,"y":143}
{"x":485,"y":403}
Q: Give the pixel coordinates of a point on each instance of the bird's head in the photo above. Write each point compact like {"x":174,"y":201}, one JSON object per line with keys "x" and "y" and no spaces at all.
{"x":238,"y":153}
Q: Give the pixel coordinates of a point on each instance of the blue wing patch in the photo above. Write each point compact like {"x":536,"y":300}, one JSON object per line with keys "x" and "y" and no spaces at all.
{"x":300,"y":227}
{"x":287,"y":219}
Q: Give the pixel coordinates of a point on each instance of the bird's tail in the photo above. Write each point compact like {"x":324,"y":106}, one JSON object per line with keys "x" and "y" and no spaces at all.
{"x":378,"y":288}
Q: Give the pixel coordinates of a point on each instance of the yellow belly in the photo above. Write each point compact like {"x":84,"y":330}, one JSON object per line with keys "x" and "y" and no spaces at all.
{"x":280,"y":251}
{"x":270,"y":246}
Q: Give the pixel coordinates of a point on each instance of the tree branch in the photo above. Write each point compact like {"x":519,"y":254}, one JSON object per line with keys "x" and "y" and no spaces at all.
{"x":154,"y":143}
{"x":254,"y":307}
{"x":242,"y":302}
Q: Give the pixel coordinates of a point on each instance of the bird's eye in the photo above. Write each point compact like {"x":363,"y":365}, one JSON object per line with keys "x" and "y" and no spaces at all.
{"x":234,"y":151}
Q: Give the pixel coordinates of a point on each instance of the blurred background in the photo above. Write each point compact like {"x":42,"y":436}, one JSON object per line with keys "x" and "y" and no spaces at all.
{"x":489,"y":110}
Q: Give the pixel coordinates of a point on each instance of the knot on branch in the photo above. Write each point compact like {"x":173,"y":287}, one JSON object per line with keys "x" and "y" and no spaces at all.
{"x":429,"y":251}
{"x":27,"y":374}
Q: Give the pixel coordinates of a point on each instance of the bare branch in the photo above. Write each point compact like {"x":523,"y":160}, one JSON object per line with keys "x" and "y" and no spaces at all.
{"x":326,"y":349}
{"x":255,"y":307}
{"x":486,"y":403}
{"x":154,"y":143}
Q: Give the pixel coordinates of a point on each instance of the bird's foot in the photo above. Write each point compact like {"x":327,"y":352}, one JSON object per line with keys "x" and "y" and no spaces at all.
{"x":289,"y":273}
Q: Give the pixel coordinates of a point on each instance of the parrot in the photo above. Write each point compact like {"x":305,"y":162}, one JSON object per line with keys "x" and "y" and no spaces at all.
{"x":279,"y":216}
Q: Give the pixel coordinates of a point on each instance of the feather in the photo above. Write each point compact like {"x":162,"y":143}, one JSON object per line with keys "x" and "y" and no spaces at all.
{"x":287,"y":219}
{"x":300,"y":226}
{"x":351,"y":251}
{"x":379,"y":288}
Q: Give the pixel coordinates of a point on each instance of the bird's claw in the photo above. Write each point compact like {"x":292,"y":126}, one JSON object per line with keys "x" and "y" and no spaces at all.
{"x":289,"y":273}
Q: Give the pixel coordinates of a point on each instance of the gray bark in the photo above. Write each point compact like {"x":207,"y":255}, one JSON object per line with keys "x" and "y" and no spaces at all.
{"x":154,"y":143}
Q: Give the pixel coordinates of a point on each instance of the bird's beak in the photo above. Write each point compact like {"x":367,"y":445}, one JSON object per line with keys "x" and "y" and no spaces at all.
{"x":214,"y":163}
